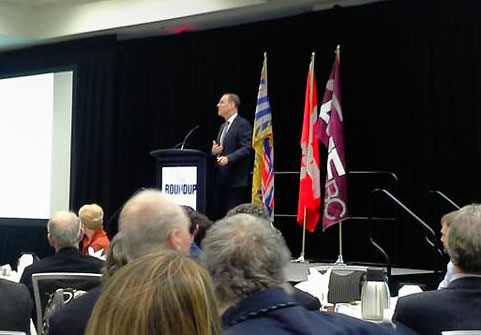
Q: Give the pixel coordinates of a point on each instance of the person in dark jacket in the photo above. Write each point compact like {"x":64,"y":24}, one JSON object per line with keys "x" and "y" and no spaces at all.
{"x":64,"y":234}
{"x":246,"y":259}
{"x":233,"y":150}
{"x":457,"y":306}
{"x":15,"y":307}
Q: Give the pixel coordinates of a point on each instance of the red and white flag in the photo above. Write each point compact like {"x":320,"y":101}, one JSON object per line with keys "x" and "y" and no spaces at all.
{"x":331,"y":135}
{"x":309,"y":185}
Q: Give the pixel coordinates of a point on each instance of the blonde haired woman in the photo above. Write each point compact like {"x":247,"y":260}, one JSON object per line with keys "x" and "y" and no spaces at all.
{"x":161,"y":293}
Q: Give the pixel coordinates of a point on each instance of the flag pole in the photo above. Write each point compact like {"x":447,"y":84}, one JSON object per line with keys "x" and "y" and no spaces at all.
{"x":340,"y":260}
{"x":301,"y":258}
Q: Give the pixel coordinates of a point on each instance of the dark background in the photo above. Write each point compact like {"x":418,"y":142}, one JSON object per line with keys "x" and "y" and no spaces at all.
{"x":410,"y":80}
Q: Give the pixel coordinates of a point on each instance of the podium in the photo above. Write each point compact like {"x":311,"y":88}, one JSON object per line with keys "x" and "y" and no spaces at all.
{"x":185,"y":176}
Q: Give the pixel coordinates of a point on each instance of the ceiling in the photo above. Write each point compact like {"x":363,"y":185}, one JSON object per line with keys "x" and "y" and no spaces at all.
{"x":29,"y":22}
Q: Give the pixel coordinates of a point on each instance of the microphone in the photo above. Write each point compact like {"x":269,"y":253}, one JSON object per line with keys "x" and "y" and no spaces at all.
{"x":187,"y":136}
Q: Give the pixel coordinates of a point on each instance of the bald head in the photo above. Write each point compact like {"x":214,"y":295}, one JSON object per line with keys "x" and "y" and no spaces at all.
{"x":64,"y":230}
{"x":150,"y":222}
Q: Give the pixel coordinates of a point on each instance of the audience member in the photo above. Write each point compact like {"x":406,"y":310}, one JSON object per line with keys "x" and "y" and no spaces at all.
{"x":148,"y":222}
{"x":64,"y":234}
{"x":199,"y":224}
{"x":95,"y":237}
{"x":304,"y":299}
{"x":15,"y":307}
{"x":246,"y":259}
{"x":445,"y":224}
{"x":249,"y":208}
{"x":73,"y":318}
{"x":162,"y":293}
{"x":456,"y":307}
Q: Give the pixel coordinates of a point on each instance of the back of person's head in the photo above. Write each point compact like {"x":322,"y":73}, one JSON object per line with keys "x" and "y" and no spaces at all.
{"x":161,"y":293}
{"x":150,"y":221}
{"x":249,"y":208}
{"x":244,"y":255}
{"x":464,"y":240}
{"x":116,"y":257}
{"x":91,"y":216}
{"x":199,"y":224}
{"x":64,"y":230}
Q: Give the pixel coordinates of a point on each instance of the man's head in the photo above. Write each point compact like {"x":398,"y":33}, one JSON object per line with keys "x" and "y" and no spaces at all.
{"x":64,"y":230}
{"x":445,"y":224}
{"x":150,"y":221}
{"x":464,"y":240}
{"x":252,"y":209}
{"x":199,"y":224}
{"x":244,"y":255}
{"x":228,"y":105}
{"x":91,"y":216}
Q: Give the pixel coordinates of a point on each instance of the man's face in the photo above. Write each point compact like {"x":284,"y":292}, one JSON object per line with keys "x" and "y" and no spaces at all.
{"x":225,"y":107}
{"x":444,"y":234}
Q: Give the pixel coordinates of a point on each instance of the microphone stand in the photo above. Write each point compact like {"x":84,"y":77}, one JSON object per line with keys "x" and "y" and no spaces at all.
{"x":187,"y":136}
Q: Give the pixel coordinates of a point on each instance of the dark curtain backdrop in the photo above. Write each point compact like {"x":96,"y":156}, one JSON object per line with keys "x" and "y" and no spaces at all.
{"x":410,"y":74}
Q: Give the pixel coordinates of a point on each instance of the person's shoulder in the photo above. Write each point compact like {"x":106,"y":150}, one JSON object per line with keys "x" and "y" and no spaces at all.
{"x":18,"y":288}
{"x":420,"y":298}
{"x":242,"y":120}
{"x":336,"y":323}
{"x":38,"y":265}
{"x":93,"y":260}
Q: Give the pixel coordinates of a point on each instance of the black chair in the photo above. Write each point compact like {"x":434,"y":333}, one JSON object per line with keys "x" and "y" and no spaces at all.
{"x":46,"y":284}
{"x":345,"y":283}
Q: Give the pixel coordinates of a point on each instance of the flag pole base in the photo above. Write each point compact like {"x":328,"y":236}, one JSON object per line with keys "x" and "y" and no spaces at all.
{"x":300,"y":259}
{"x":339,"y":261}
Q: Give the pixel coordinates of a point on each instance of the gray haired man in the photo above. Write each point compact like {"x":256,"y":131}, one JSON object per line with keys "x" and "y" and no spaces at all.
{"x":64,"y":234}
{"x":150,"y":221}
{"x":456,"y":307}
{"x":246,"y":259}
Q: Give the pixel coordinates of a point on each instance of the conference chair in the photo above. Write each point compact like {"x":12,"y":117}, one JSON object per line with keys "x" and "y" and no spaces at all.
{"x":345,"y":284}
{"x":46,"y":284}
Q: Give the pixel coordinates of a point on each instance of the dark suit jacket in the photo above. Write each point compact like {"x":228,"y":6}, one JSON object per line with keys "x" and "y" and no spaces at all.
{"x":457,"y":307}
{"x":273,"y":312}
{"x":15,"y":306}
{"x":237,"y":147}
{"x":73,"y":318}
{"x":66,"y":260}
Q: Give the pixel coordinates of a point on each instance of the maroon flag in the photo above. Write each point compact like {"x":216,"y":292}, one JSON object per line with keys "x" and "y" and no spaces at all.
{"x":331,"y":134}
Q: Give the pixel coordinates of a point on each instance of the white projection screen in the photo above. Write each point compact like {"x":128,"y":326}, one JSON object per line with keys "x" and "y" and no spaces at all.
{"x":35,"y":137}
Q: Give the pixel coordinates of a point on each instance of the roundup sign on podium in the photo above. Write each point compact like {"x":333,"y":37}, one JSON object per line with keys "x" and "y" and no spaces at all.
{"x":179,"y":183}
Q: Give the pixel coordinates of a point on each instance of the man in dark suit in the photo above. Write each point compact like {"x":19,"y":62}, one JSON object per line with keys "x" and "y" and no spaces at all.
{"x":233,"y":149}
{"x":456,"y":307}
{"x":15,"y":307}
{"x":64,"y":234}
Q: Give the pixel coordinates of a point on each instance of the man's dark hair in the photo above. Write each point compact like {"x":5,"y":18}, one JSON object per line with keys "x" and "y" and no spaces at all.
{"x":199,"y":222}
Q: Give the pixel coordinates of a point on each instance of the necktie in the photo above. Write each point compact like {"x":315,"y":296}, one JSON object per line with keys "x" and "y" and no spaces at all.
{"x":224,"y":131}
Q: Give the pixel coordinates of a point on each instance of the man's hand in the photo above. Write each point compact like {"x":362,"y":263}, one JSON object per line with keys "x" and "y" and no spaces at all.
{"x":222,"y":160}
{"x":217,"y":148}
